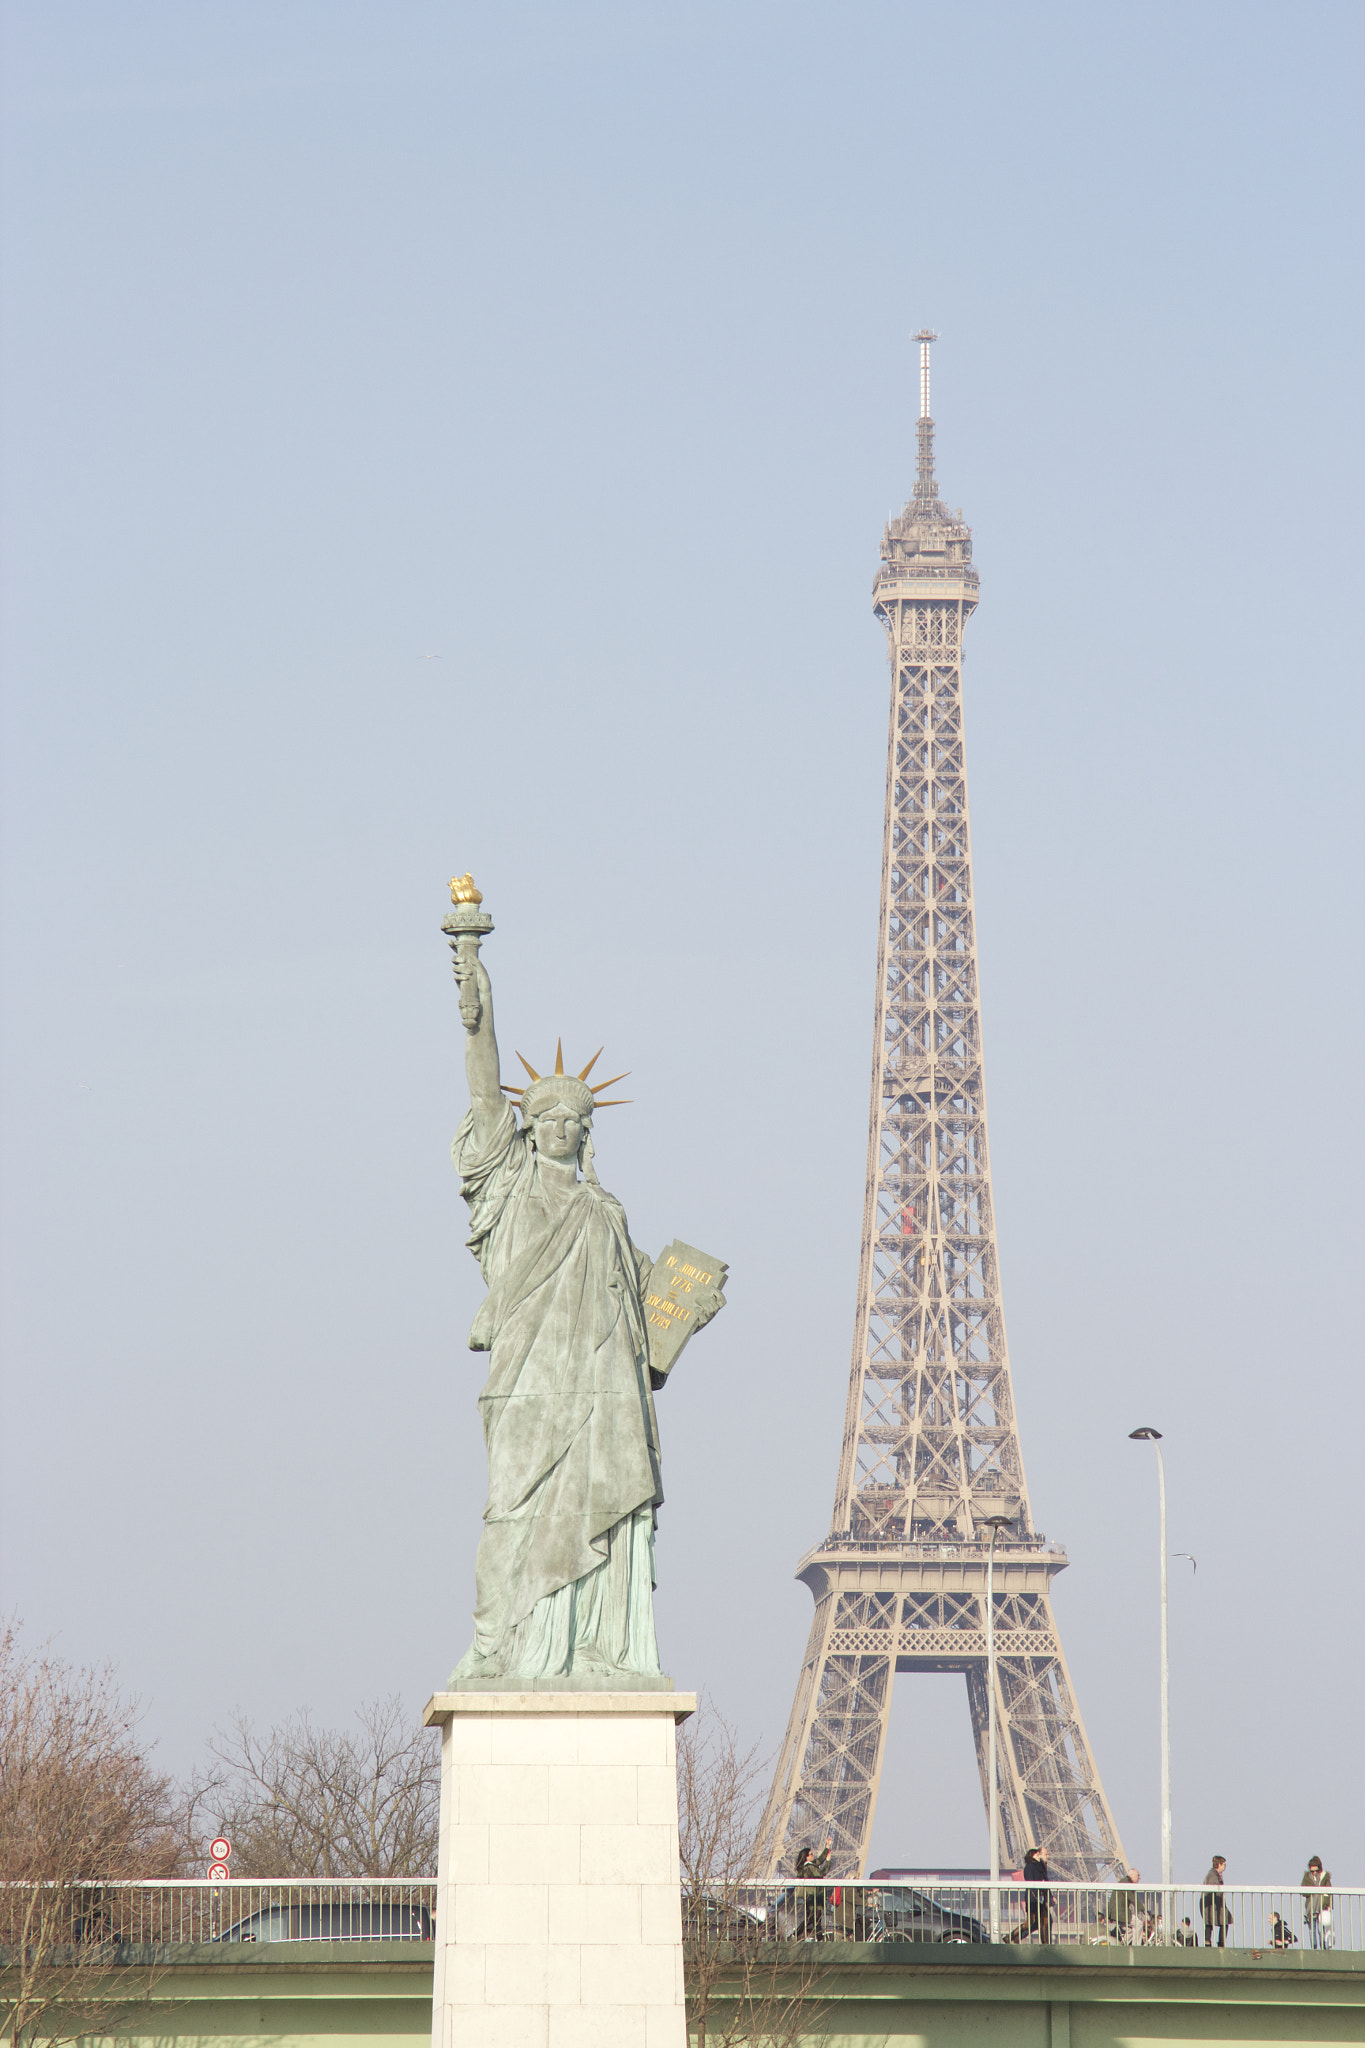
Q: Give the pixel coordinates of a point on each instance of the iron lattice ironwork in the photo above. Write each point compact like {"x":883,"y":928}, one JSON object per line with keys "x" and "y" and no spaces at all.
{"x":931,"y":1456}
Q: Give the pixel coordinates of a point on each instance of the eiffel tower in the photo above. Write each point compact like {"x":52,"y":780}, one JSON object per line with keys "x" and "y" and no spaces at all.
{"x":931,"y":1457}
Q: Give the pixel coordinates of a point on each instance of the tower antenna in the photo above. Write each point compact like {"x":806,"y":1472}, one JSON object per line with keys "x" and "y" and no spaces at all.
{"x":926,"y":488}
{"x":924,"y":337}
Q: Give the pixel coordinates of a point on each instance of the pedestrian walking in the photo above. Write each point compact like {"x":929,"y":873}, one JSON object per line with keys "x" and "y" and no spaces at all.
{"x":1039,"y":1901}
{"x":1317,"y":1904}
{"x":1120,"y":1911}
{"x":1213,"y":1905}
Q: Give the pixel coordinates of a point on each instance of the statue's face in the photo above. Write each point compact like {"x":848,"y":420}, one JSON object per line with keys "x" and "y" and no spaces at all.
{"x":558,"y":1132}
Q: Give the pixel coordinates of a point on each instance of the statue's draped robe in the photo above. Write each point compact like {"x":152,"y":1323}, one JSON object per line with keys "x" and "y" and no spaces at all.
{"x":565,"y":1565}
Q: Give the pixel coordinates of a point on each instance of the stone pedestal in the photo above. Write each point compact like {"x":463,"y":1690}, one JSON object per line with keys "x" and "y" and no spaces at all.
{"x":558,"y":1916}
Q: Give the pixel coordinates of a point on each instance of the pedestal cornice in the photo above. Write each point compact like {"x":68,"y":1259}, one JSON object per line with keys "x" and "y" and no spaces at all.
{"x":444,"y":1706}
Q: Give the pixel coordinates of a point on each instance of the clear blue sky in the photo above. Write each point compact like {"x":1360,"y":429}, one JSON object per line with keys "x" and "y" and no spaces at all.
{"x":446,"y":437}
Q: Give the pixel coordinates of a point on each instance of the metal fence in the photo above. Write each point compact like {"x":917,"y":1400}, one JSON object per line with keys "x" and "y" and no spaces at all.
{"x":155,"y":1914}
{"x":1188,"y":1916}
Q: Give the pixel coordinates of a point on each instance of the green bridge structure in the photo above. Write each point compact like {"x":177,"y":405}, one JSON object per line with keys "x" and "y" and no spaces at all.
{"x":377,"y":1994}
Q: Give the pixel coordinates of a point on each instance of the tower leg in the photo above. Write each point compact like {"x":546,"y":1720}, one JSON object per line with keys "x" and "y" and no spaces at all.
{"x":1050,"y":1791}
{"x":831,"y":1758}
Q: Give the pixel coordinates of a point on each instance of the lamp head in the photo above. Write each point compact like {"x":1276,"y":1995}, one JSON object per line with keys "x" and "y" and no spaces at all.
{"x":1145,"y":1436}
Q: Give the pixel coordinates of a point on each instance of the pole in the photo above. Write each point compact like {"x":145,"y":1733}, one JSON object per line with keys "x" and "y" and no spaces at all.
{"x":1167,"y":1899}
{"x":994,"y":1795}
{"x":1153,"y":1437}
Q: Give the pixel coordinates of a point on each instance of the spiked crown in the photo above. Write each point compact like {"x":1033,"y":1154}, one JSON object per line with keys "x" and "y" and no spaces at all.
{"x":572,"y":1089}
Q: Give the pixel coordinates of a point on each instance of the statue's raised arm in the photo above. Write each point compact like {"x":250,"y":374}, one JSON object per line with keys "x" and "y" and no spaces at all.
{"x":466,"y":925}
{"x":481,"y":1057}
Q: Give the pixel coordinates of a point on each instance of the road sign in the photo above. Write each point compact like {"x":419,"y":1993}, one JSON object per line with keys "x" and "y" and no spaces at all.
{"x":220,"y":1849}
{"x":218,"y":1871}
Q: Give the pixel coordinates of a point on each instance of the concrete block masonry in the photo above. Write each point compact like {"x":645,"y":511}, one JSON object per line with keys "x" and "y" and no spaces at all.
{"x":558,"y":1914}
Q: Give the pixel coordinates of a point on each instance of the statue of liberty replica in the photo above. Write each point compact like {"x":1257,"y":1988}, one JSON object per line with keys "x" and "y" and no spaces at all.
{"x":582,"y":1329}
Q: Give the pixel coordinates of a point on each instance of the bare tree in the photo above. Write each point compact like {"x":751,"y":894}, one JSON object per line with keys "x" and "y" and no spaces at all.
{"x":80,"y":1809}
{"x":302,"y":1801}
{"x":742,"y":1986}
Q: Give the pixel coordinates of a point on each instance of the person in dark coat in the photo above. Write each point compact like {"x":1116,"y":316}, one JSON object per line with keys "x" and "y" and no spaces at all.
{"x":1213,"y":1905}
{"x":1039,"y":1902}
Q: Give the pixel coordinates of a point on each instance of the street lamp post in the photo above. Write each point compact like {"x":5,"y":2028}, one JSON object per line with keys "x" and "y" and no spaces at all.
{"x":1153,"y":1437}
{"x":995,"y":1523}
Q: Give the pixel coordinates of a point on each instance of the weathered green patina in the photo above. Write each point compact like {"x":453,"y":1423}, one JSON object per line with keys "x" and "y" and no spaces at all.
{"x":565,"y":1569}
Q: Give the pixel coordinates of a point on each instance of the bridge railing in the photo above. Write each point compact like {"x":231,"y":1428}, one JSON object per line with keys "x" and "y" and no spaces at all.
{"x":1188,"y":1916}
{"x":152,"y":1913}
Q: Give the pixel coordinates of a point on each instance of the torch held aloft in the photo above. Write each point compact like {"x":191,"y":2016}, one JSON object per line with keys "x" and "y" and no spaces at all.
{"x":466,"y":925}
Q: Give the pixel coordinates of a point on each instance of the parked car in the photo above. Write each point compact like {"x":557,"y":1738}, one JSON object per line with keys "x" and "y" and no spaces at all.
{"x":361,"y":1920}
{"x":909,"y":1915}
{"x":706,"y":1917}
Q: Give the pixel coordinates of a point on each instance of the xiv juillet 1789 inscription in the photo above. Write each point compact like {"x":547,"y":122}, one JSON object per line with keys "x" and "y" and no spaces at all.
{"x":684,"y":1292}
{"x":582,"y":1330}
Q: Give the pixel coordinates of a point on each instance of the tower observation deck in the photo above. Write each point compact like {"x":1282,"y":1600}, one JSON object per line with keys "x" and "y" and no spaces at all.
{"x":931,"y":1459}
